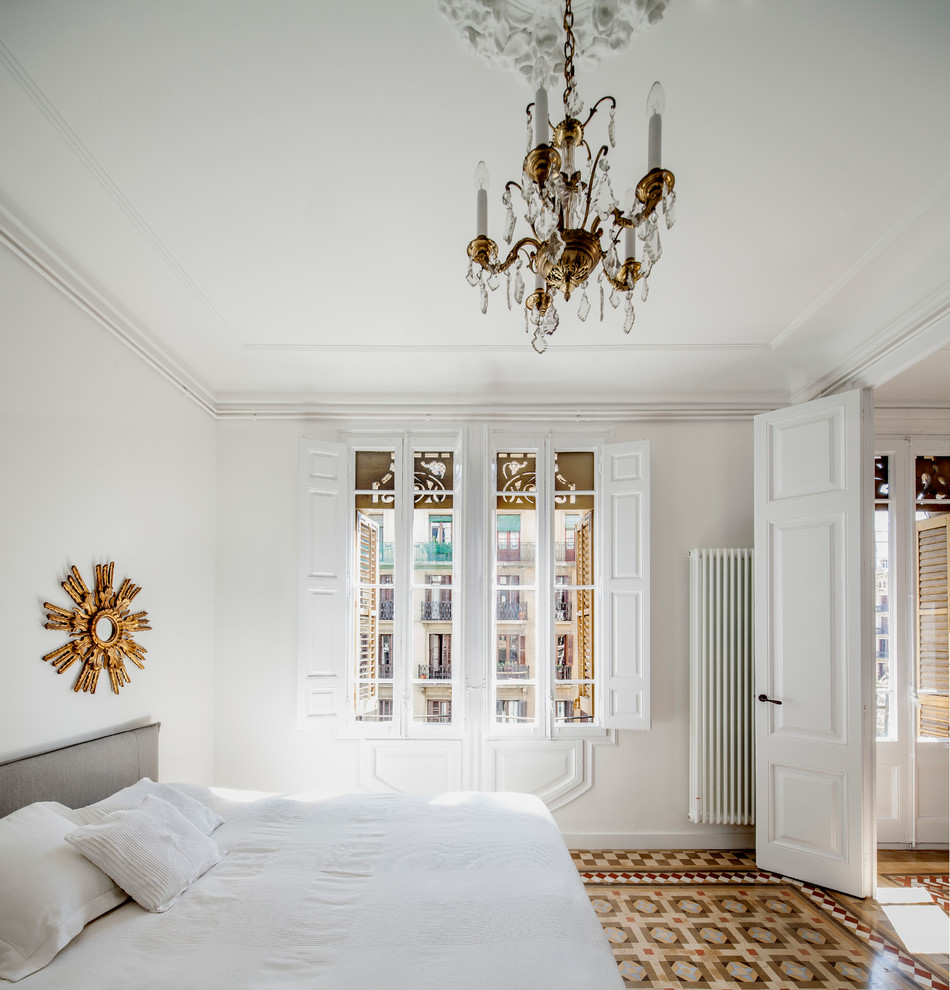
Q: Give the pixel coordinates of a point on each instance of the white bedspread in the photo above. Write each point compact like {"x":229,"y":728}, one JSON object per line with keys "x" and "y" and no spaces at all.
{"x":360,"y":892}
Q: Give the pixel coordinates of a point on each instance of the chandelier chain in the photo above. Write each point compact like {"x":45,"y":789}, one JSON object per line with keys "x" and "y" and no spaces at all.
{"x":569,"y":84}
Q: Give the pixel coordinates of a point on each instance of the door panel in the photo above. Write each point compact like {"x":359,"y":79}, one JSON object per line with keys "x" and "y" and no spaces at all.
{"x":813,"y":595}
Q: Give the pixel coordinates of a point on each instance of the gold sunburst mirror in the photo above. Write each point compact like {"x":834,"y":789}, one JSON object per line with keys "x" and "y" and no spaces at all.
{"x":101,"y":627}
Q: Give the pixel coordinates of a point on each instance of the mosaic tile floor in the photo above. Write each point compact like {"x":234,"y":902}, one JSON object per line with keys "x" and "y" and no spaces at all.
{"x":711,"y":919}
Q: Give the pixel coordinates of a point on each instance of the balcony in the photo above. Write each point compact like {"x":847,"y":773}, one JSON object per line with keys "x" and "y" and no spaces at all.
{"x":564,"y":553}
{"x":423,"y":553}
{"x":509,"y":670}
{"x":386,"y":609}
{"x":436,"y":611}
{"x":522,"y":553}
{"x":562,"y":611}
{"x":562,"y":671}
{"x":512,"y":611}
{"x":433,"y":553}
{"x":386,"y":671}
{"x":443,"y":673}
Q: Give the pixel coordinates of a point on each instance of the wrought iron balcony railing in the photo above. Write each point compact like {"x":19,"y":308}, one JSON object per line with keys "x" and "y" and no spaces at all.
{"x":386,"y":609}
{"x":423,"y":553}
{"x":562,"y":671}
{"x":522,"y":553}
{"x":443,"y":673}
{"x":512,"y":611}
{"x":385,"y":671}
{"x":433,"y":553}
{"x":562,"y":611}
{"x":436,"y":611}
{"x":508,"y":669}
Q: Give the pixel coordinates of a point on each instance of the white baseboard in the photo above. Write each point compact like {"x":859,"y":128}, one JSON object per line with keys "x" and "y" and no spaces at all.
{"x":941,"y":846}
{"x":739,"y":838}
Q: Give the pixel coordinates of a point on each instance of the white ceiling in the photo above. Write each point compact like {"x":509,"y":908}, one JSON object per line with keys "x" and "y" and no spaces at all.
{"x":271,"y":199}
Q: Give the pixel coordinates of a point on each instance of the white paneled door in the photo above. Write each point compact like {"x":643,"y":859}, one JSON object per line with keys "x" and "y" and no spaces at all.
{"x":813,"y":665}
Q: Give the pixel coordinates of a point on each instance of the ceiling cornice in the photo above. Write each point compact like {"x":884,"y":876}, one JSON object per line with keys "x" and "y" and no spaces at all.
{"x":361,"y":410}
{"x":915,"y":335}
{"x":15,"y":236}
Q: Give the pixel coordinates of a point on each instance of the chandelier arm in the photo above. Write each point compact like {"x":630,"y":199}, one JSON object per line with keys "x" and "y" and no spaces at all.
{"x":621,"y":281}
{"x":590,"y":184}
{"x":517,"y":185}
{"x":498,"y":267}
{"x":593,"y":109}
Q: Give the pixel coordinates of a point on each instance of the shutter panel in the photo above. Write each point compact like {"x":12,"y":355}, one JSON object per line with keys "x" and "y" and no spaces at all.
{"x":321,"y":637}
{"x":933,"y":625}
{"x":626,"y":485}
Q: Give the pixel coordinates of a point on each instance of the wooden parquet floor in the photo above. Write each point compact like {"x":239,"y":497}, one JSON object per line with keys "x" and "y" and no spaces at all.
{"x":712,"y":919}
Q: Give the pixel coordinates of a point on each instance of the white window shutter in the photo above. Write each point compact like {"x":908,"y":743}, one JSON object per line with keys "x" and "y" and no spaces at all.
{"x":626,"y":486}
{"x":322,"y":612}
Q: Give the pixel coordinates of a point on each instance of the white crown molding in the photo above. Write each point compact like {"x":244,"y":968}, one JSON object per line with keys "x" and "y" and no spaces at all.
{"x":527,"y":36}
{"x":873,"y":252}
{"x":15,"y":236}
{"x":411,"y":412}
{"x":111,"y":187}
{"x":917,"y":334}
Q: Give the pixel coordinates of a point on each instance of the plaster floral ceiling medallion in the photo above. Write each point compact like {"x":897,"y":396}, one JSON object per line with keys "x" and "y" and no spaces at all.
{"x":528,"y":35}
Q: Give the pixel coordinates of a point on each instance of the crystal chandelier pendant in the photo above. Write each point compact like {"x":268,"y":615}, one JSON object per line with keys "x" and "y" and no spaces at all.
{"x":576,"y":228}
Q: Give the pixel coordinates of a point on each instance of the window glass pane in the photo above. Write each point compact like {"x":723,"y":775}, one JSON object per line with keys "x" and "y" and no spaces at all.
{"x":933,"y":485}
{"x":573,"y":703}
{"x":885,"y":682}
{"x":374,"y":614}
{"x":433,"y":550}
{"x":516,"y":542}
{"x":574,"y":471}
{"x":381,"y":707}
{"x":433,"y":478}
{"x":432,"y":703}
{"x":514,"y":705}
{"x":375,"y":478}
{"x":515,"y":476}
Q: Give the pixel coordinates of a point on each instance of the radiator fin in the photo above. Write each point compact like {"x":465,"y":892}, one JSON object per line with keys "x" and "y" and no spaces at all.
{"x":722,"y":758}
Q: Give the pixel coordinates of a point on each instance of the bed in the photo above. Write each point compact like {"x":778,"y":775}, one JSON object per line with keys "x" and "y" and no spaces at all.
{"x":341,"y":891}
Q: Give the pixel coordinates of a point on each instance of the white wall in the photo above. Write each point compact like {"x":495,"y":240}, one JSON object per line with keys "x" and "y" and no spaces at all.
{"x":702,"y":496}
{"x":102,"y":460}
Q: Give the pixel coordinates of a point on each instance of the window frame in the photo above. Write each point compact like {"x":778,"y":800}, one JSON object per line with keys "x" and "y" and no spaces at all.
{"x":545,"y":682}
{"x":327,"y":550}
{"x":407,"y":592}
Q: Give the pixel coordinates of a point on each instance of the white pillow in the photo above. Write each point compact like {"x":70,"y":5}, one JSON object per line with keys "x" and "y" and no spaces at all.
{"x":200,"y":815}
{"x":153,"y":852}
{"x":48,"y":890}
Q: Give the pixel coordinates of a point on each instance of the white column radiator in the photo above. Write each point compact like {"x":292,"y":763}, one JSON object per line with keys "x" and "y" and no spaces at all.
{"x":721,"y":761}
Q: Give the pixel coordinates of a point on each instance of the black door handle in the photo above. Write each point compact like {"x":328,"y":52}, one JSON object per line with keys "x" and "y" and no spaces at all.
{"x":765,"y":697}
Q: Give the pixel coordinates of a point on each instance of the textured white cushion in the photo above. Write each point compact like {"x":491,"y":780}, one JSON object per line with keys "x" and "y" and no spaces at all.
{"x":200,"y":815}
{"x":152,"y":852}
{"x":48,"y":890}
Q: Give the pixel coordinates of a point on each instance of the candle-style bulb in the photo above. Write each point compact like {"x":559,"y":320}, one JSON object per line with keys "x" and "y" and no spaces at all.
{"x":541,"y":127}
{"x":481,"y":200}
{"x":630,"y":233}
{"x":656,"y":106}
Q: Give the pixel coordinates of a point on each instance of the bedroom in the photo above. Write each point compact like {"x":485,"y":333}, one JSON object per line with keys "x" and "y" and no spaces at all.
{"x":109,"y":449}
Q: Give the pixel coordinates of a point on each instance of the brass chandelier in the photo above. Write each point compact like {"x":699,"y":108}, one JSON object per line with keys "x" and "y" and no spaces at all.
{"x":565,"y":212}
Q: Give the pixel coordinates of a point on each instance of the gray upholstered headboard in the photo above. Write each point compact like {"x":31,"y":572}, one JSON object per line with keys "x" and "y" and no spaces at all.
{"x":82,"y":773}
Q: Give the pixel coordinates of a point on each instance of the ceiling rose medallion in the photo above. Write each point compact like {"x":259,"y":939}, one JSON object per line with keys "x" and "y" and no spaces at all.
{"x":566,"y":193}
{"x":101,"y":626}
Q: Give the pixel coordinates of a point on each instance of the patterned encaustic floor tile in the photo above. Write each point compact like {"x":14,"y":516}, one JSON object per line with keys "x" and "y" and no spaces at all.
{"x":712,"y":919}
{"x":723,"y":937}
